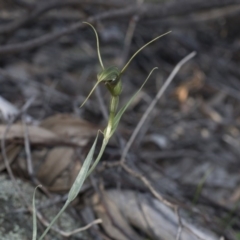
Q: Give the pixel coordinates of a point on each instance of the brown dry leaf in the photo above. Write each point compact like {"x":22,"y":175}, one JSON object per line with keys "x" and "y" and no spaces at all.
{"x":56,"y":167}
{"x":61,"y":165}
{"x":55,"y":163}
{"x":208,"y":111}
{"x":70,"y":127}
{"x":11,"y":151}
{"x":67,"y":177}
{"x":16,"y":132}
{"x":36,"y":134}
{"x":147,"y":214}
{"x":119,"y":220}
{"x":193,"y":84}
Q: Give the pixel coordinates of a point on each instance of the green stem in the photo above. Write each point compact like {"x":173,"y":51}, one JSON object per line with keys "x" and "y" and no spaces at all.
{"x":104,"y":144}
{"x":107,"y":132}
{"x":54,"y":220}
{"x":112,"y":113}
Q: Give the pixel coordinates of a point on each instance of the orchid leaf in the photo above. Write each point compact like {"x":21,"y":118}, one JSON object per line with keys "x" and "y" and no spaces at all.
{"x":82,"y":174}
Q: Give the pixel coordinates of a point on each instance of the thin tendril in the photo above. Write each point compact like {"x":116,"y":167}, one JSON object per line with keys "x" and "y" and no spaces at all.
{"x":124,"y":68}
{"x":90,"y":94}
{"x":98,"y":48}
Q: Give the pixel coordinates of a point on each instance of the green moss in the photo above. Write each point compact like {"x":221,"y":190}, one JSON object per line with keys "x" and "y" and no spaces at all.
{"x":16,"y":224}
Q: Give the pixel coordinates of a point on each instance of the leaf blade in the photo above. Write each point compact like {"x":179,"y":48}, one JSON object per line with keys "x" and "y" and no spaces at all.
{"x":76,"y":187}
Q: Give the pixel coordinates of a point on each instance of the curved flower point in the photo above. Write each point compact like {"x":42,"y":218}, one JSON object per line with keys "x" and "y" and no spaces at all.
{"x":98,"y":48}
{"x":140,"y":49}
{"x":108,"y":75}
{"x":90,"y":93}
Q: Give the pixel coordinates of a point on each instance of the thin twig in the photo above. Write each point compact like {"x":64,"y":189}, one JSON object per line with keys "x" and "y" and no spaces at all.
{"x":148,"y":185}
{"x":158,"y":196}
{"x":42,"y":8}
{"x":180,"y":225}
{"x":100,"y":191}
{"x":67,"y":234}
{"x":129,"y":35}
{"x":145,"y":11}
{"x":27,"y":150}
{"x":153,"y":104}
{"x":144,"y":214}
{"x":4,"y":154}
{"x":29,"y":158}
{"x":6,"y":161}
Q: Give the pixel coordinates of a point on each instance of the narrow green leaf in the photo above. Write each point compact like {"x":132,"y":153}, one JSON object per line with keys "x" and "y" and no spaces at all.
{"x":76,"y":187}
{"x":118,"y":116}
{"x":104,"y":144}
{"x":34,"y":236}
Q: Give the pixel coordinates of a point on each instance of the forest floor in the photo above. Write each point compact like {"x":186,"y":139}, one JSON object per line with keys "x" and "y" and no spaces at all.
{"x":180,"y":178}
